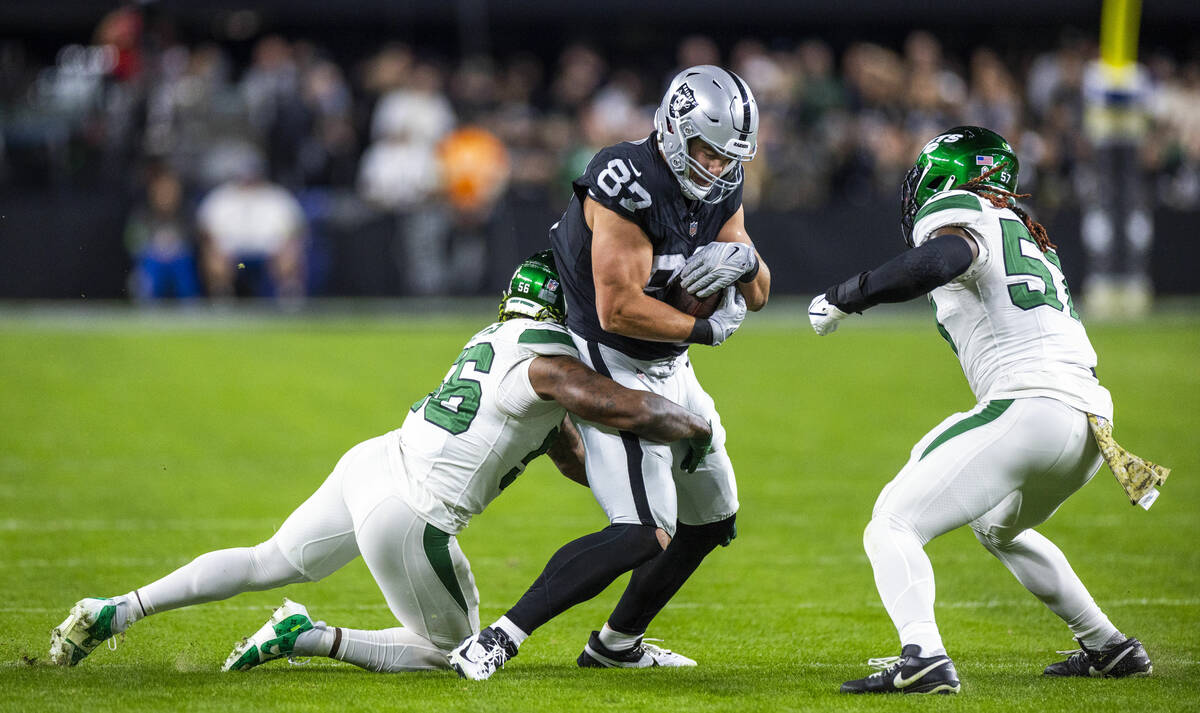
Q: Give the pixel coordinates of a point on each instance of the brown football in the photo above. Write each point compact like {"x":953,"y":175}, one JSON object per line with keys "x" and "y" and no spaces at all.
{"x":686,"y":302}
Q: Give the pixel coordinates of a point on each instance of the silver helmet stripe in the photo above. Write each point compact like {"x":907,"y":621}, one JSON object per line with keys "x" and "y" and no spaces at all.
{"x":737,"y":81}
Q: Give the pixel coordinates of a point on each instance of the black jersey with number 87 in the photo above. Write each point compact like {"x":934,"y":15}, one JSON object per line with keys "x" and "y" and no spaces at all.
{"x":632,"y":179}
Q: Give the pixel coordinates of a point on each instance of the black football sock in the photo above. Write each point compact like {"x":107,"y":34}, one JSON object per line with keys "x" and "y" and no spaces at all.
{"x":581,"y":569}
{"x":654,"y":583}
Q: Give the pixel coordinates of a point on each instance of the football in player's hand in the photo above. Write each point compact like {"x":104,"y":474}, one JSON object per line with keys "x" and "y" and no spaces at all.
{"x":686,"y":302}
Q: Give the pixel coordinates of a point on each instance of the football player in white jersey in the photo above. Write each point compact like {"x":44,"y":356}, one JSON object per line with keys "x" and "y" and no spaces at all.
{"x":398,"y":500}
{"x":1006,"y":465}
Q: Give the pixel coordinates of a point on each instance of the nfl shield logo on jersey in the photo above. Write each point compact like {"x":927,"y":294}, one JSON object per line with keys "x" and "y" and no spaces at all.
{"x":695,"y":224}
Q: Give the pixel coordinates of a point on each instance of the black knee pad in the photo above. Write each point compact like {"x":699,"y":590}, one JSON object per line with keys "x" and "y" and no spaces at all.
{"x":640,"y":542}
{"x":721,"y":532}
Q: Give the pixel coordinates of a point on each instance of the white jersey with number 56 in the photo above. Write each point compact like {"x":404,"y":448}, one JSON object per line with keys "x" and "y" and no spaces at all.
{"x":472,"y":436}
{"x":1010,"y":317}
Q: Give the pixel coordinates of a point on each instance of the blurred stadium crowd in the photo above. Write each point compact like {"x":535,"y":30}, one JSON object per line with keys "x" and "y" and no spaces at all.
{"x":230,"y":165}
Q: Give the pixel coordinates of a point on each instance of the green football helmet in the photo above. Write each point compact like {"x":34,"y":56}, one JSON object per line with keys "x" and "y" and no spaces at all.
{"x":950,"y":160}
{"x":534,"y":292}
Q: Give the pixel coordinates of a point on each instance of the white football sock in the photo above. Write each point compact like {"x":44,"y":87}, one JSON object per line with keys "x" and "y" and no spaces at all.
{"x":383,"y":651}
{"x":1043,"y":569}
{"x":1113,"y":640}
{"x":129,"y":610}
{"x":218,"y":575}
{"x":904,"y":578}
{"x":514,"y":632}
{"x":614,"y":640}
{"x":317,"y":641}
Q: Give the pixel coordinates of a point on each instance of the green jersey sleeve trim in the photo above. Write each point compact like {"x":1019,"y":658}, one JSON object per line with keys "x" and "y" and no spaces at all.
{"x":544,"y":336}
{"x":936,"y":205}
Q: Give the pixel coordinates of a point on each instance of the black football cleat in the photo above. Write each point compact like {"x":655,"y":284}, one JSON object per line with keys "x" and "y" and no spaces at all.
{"x":1127,"y":658}
{"x":641,"y":655}
{"x":908,"y":673}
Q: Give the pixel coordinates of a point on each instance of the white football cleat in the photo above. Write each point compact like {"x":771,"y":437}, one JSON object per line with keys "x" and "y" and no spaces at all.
{"x":88,"y":625}
{"x":641,"y":655}
{"x":275,"y":639}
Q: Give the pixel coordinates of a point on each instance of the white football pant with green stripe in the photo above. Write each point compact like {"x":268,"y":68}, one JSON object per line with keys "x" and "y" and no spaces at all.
{"x":423,"y":574}
{"x":1003,"y":467}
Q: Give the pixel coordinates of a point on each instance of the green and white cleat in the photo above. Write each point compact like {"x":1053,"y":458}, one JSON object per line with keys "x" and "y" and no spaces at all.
{"x":275,"y":639}
{"x":89,"y":625}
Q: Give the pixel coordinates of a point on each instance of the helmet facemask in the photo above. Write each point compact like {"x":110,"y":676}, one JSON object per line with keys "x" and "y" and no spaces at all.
{"x":914,"y":191}
{"x":711,"y":188}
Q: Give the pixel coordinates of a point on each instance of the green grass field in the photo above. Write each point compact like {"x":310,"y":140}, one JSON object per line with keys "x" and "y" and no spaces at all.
{"x":130,"y":444}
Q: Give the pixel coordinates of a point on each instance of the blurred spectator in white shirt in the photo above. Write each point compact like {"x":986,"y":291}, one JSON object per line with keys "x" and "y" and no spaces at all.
{"x":249,"y":224}
{"x":399,"y":171}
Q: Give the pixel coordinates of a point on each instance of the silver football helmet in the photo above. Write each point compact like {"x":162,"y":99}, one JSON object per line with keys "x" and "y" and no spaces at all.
{"x":714,"y":105}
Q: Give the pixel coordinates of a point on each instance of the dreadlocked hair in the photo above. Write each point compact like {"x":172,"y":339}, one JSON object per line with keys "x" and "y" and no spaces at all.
{"x":1001,"y":198}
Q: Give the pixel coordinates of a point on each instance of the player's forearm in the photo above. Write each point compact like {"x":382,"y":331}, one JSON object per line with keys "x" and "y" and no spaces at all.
{"x":757,"y":290}
{"x":601,"y":400}
{"x":908,"y":275}
{"x":642,"y":317}
{"x":662,"y":420}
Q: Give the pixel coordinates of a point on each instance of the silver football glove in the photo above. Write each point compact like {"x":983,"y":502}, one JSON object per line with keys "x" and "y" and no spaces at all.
{"x":824,"y":316}
{"x":729,"y":315}
{"x":715,"y":266}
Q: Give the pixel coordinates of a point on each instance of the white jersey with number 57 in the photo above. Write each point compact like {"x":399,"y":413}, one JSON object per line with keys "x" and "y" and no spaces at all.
{"x":472,"y":436}
{"x":1010,"y":317}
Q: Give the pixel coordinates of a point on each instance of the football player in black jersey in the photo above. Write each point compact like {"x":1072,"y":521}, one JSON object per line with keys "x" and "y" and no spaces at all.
{"x":643,"y":213}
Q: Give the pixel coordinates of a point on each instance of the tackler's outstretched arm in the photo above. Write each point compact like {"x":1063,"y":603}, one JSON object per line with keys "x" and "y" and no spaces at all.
{"x":597,"y":398}
{"x":911,"y":274}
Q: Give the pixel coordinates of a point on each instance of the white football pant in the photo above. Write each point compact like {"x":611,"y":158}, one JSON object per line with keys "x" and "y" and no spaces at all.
{"x":1003,"y":468}
{"x":423,"y":574}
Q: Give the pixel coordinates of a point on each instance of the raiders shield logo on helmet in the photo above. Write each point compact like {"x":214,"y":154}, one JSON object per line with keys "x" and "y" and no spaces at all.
{"x":683,"y":101}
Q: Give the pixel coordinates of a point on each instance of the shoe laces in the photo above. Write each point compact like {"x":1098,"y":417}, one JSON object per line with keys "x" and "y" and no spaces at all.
{"x":883,"y":665}
{"x":112,"y":641}
{"x":651,"y":648}
{"x":1082,"y":651}
{"x":494,"y":654}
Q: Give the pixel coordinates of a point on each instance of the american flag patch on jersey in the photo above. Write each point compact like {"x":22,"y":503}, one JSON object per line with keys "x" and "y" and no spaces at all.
{"x":983,"y":161}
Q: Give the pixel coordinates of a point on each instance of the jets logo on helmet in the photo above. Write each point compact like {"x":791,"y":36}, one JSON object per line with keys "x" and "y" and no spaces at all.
{"x":709,"y":104}
{"x":534,"y":291}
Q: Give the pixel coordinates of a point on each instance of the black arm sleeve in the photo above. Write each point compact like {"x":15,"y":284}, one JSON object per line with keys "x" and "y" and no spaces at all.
{"x":905,"y":276}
